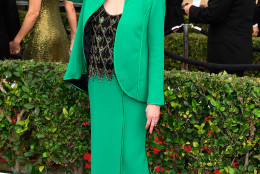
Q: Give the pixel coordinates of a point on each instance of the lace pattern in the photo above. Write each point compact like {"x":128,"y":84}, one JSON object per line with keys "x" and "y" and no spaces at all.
{"x":102,"y":31}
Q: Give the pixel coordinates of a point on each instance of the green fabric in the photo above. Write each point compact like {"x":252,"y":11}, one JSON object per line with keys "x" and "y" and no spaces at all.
{"x":118,"y":130}
{"x":138,"y":49}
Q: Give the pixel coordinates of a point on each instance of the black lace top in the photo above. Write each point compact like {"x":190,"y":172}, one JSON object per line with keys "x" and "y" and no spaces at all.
{"x":102,"y":31}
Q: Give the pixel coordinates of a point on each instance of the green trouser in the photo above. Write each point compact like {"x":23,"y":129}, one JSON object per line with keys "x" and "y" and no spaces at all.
{"x":117,"y":130}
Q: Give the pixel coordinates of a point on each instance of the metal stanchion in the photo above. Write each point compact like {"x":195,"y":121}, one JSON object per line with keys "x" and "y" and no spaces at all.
{"x":185,"y":44}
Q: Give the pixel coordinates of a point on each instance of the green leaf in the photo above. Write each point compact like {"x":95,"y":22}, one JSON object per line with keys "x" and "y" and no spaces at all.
{"x":213,"y":102}
{"x":22,"y":123}
{"x":29,"y":105}
{"x":65,"y":112}
{"x":71,"y":111}
{"x":8,"y":74}
{"x":228,"y":89}
{"x":209,"y":164}
{"x":257,"y":156}
{"x":195,"y":144}
{"x":46,"y":154}
{"x":25,"y":89}
{"x":39,"y":135}
{"x":21,"y":158}
{"x":28,"y":167}
{"x":41,"y":168}
{"x":194,"y":103}
{"x":2,"y":115}
{"x":56,"y":160}
{"x":229,"y":170}
{"x":251,"y":168}
{"x":30,"y":153}
{"x":256,"y":112}
{"x":35,"y":169}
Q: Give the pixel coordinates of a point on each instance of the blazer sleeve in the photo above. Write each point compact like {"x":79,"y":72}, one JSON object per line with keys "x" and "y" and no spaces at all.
{"x":156,"y":53}
{"x":214,"y":13}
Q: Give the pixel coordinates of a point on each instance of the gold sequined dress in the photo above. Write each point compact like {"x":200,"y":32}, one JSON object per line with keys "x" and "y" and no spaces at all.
{"x":48,"y":41}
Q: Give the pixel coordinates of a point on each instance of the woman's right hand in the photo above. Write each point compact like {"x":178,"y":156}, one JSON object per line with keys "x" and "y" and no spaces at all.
{"x":15,"y":47}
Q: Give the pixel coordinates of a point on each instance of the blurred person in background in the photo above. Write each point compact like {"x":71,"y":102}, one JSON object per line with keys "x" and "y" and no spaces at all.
{"x":49,"y":41}
{"x":9,"y":25}
{"x":230,"y":31}
{"x":174,"y":14}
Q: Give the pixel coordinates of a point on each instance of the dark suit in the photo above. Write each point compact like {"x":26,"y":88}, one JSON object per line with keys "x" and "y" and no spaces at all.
{"x":257,"y":15}
{"x":230,"y":32}
{"x":174,"y":14}
{"x":9,"y":25}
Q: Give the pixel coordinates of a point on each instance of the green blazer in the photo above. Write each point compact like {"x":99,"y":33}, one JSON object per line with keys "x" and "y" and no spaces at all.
{"x":138,"y":49}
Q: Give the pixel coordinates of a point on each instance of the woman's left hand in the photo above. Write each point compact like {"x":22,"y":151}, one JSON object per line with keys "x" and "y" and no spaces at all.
{"x":14,"y":47}
{"x":153,"y":116}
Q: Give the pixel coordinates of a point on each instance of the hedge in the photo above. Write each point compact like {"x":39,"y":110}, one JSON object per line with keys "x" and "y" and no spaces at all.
{"x":209,"y":123}
{"x":197,"y":50}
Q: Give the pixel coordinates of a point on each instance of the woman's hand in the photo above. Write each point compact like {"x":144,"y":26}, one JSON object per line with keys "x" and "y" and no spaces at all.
{"x":187,"y":9}
{"x":255,"y":31}
{"x":15,"y":47}
{"x":153,"y":116}
{"x":29,"y":21}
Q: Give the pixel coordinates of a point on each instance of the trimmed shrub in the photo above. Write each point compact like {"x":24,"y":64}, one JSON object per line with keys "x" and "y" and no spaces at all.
{"x":41,"y":118}
{"x":209,"y":123}
{"x":197,"y":51}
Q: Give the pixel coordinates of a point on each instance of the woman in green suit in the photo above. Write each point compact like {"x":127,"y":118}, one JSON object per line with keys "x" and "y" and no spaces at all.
{"x":118,"y":58}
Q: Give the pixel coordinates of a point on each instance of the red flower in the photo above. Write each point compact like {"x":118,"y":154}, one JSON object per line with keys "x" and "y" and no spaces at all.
{"x":248,"y":121}
{"x":210,"y":131}
{"x":2,"y":160}
{"x":217,"y":172}
{"x":85,"y":123}
{"x":234,"y":163}
{"x":208,"y":118}
{"x":87,"y":166}
{"x":14,"y":120}
{"x":88,"y":106}
{"x":55,"y":166}
{"x":187,"y":148}
{"x":157,"y":168}
{"x":15,"y":113}
{"x":87,"y":156}
{"x":155,"y":150}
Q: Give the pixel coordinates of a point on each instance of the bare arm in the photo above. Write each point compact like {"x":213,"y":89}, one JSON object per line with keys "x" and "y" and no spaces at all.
{"x":29,"y":21}
{"x":72,"y":18}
